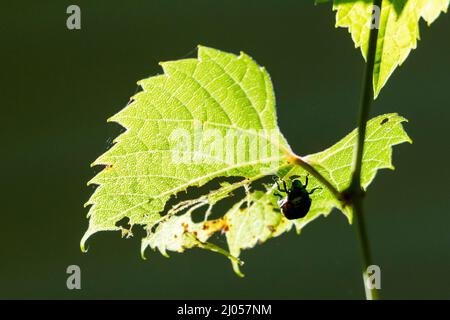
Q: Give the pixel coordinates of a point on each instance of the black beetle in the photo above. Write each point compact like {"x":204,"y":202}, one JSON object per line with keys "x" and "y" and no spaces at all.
{"x":297,"y":202}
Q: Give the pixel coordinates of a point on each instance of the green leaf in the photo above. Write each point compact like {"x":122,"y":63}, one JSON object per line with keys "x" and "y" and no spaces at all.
{"x":262,"y":220}
{"x":184,"y":130}
{"x":398,"y":29}
{"x":208,"y":119}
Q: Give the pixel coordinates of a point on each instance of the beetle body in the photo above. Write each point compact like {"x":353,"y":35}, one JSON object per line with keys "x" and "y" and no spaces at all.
{"x":297,"y":202}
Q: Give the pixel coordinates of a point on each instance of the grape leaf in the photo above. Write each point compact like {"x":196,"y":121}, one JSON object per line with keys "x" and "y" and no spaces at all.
{"x":398,"y":30}
{"x":210,"y":118}
{"x":204,"y":118}
{"x":262,"y":220}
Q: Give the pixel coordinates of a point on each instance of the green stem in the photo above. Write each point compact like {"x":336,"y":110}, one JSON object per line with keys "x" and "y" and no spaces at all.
{"x":360,"y":226}
{"x":316,"y":174}
{"x":355,"y":191}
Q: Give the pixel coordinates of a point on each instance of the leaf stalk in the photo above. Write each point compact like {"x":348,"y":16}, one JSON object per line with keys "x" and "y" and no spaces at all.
{"x":316,"y":174}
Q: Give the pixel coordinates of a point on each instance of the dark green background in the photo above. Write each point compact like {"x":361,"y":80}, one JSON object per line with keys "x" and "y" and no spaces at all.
{"x":58,"y":87}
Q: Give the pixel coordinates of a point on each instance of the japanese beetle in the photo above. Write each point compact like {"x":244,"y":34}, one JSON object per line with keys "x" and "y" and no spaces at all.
{"x":297,"y":202}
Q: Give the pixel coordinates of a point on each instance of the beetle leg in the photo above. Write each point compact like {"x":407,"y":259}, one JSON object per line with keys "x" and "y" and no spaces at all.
{"x":306,"y":180}
{"x":285,"y":187}
{"x":278,"y":185}
{"x":277,"y":181}
{"x":317,"y":188}
{"x":278,"y":195}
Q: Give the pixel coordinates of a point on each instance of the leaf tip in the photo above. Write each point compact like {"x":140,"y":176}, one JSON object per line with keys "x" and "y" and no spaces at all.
{"x":236,"y":268}
{"x":83,"y":246}
{"x":87,"y":204}
{"x":143,"y":248}
{"x":91,"y":182}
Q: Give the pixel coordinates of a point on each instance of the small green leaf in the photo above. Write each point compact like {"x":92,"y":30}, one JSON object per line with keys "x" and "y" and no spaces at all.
{"x":398,"y":29}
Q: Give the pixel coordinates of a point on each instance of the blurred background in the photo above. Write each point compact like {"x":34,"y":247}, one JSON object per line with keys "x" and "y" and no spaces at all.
{"x":59,"y":86}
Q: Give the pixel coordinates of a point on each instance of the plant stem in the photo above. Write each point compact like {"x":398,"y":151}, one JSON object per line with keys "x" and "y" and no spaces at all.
{"x":360,"y":225}
{"x":355,"y":192}
{"x":316,"y":174}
